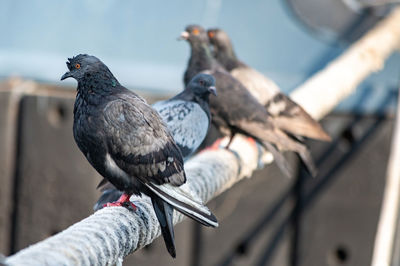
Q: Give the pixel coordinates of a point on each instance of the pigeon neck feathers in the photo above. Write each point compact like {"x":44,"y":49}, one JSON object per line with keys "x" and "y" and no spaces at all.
{"x":188,"y":95}
{"x":97,"y":84}
{"x":223,"y":49}
{"x":227,"y":58}
{"x":201,"y":59}
{"x":201,"y":56}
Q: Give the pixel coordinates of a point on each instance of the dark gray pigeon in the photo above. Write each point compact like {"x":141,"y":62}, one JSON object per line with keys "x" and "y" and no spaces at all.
{"x":236,"y":110}
{"x":187,"y":116}
{"x":287,"y":114}
{"x":125,"y":140}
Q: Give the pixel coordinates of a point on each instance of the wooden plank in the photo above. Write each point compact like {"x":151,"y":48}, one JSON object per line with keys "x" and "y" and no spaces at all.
{"x":338,"y":226}
{"x":56,"y":185}
{"x":8,"y":122}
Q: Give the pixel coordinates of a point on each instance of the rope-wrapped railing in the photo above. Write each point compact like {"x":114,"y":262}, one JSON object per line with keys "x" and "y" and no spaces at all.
{"x":110,"y":234}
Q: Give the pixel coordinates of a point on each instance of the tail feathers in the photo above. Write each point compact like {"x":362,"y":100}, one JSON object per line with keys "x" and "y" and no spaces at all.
{"x":284,"y":142}
{"x":184,"y":202}
{"x":302,"y":126}
{"x":308,"y":161}
{"x":284,"y":165}
{"x":164,"y":213}
{"x":293,"y":119}
{"x":108,"y":195}
{"x":280,"y":160}
{"x":103,"y":182}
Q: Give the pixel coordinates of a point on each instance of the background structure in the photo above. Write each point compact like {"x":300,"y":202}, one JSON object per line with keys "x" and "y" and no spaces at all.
{"x":275,"y":221}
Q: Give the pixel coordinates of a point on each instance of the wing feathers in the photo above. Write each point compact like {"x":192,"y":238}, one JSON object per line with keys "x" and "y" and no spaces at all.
{"x":140,"y":144}
{"x":183,"y":202}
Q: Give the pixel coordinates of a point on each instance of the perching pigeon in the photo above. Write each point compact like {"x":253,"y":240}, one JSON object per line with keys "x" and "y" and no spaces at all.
{"x":125,"y":140}
{"x":236,"y":110}
{"x":287,"y":114}
{"x":187,"y":116}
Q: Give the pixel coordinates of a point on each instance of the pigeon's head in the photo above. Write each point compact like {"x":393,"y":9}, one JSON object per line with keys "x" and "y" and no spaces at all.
{"x":194,"y":34}
{"x":219,"y":39}
{"x":81,"y":65}
{"x":202,"y":85}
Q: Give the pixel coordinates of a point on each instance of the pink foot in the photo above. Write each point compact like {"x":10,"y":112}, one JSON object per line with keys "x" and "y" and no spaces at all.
{"x":215,"y":146}
{"x":252,"y":141}
{"x":123,"y":201}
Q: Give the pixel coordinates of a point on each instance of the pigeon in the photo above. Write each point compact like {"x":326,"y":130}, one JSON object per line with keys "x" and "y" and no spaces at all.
{"x":126,"y":141}
{"x":187,"y":115}
{"x":287,"y":114}
{"x":236,"y":110}
{"x":188,"y":119}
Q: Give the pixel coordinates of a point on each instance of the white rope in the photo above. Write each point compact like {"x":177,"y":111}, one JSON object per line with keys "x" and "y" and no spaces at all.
{"x":112,"y":233}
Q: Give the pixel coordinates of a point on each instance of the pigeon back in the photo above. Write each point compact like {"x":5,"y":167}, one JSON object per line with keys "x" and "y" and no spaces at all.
{"x":187,"y":122}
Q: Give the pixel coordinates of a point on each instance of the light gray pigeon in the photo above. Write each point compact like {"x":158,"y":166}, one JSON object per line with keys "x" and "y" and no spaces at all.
{"x":188,"y":115}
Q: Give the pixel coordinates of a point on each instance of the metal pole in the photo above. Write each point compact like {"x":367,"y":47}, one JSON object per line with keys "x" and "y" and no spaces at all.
{"x":384,"y":239}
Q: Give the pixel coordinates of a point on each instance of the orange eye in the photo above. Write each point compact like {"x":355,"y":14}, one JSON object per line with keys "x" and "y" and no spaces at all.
{"x":211,"y":34}
{"x":77,"y":66}
{"x":195,"y":31}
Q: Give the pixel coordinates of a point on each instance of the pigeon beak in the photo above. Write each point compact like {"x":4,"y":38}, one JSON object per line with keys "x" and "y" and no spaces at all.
{"x":66,"y":75}
{"x":184,"y":36}
{"x":212,"y":90}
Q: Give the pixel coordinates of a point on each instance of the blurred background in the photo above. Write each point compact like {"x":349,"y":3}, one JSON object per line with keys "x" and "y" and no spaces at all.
{"x":47,"y":185}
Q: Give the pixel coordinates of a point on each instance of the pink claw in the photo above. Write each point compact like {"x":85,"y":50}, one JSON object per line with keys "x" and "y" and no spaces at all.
{"x":215,"y":146}
{"x":123,"y":201}
{"x":251,"y":141}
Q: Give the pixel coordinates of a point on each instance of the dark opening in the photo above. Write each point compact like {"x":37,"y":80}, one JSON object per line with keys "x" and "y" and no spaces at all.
{"x":57,"y":114}
{"x":61,"y":111}
{"x":341,"y":254}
